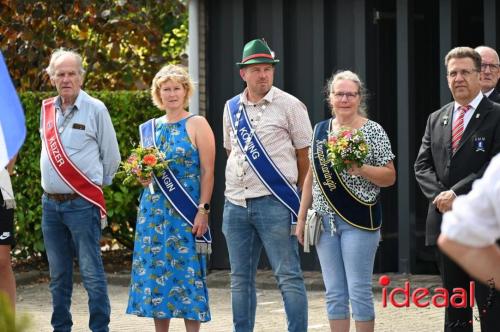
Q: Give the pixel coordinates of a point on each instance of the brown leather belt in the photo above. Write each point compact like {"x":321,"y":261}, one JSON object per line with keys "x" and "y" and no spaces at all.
{"x":62,"y":197}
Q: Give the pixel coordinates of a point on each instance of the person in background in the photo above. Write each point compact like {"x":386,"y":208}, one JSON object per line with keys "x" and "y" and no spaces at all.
{"x":79,"y":156}
{"x":347,"y":247}
{"x":264,"y":126}
{"x":490,"y":72}
{"x":459,"y":141}
{"x":470,"y":229}
{"x":7,"y":205}
{"x":169,"y":264}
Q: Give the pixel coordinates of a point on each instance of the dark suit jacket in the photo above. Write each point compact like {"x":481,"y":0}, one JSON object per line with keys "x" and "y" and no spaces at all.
{"x":437,"y":170}
{"x":495,"y":96}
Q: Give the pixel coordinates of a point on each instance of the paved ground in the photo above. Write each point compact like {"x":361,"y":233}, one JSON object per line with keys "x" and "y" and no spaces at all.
{"x":34,"y":299}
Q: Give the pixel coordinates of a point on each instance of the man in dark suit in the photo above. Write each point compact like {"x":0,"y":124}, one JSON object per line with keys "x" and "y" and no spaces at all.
{"x":459,"y":141}
{"x":490,"y":72}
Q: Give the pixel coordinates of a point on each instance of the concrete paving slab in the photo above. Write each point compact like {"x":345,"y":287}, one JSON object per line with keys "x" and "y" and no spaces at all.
{"x":34,"y":299}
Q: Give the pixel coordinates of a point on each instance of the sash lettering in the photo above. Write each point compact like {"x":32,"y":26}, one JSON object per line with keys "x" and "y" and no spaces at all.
{"x":63,"y":165}
{"x":168,"y":182}
{"x":364,"y":215}
{"x":55,"y":151}
{"x":252,"y":150}
{"x":324,"y":166}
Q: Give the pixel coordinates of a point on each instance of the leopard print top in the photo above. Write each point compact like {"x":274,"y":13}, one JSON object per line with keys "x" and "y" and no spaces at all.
{"x":379,"y":154}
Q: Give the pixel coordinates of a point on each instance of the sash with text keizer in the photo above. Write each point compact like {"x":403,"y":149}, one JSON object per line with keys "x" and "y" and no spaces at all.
{"x":174,"y":191}
{"x":68,"y":171}
{"x":360,"y":214}
{"x":261,"y":163}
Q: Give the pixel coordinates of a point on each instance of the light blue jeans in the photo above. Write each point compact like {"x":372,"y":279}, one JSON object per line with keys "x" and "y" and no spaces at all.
{"x":346,"y":256}
{"x":265,"y":222}
{"x":73,"y":228}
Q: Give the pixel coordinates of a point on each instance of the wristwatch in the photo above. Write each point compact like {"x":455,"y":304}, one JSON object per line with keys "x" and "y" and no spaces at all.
{"x":204,"y":208}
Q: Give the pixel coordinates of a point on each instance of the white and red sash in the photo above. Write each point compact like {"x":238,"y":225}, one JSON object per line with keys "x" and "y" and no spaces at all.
{"x":68,"y":172}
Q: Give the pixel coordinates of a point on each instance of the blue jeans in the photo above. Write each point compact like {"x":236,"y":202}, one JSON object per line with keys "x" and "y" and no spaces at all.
{"x":264,"y":223}
{"x":72,"y":228}
{"x":346,"y":256}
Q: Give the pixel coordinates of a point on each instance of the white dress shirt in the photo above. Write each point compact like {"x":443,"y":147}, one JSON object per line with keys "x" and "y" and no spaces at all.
{"x":475,"y":217}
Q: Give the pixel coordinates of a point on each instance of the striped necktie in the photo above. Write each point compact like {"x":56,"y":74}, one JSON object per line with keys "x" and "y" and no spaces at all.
{"x":458,"y":127}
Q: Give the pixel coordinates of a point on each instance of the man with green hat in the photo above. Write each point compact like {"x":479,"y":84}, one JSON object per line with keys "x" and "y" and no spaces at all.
{"x":267,"y":134}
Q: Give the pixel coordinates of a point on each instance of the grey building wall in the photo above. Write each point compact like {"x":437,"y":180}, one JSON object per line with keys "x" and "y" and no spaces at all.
{"x":396,"y":46}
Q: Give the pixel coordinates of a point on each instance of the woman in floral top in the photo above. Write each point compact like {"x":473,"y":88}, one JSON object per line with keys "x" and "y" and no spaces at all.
{"x":349,"y":204}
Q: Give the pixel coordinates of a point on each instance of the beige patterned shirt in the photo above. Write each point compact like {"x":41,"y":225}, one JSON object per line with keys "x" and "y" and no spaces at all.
{"x":284,"y":127}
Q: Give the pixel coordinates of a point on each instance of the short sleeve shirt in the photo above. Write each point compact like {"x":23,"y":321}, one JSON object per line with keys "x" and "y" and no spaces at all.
{"x":283,"y":127}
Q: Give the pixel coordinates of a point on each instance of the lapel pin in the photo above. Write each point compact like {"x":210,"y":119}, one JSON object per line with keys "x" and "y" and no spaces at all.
{"x":445,"y":120}
{"x":477,"y":115}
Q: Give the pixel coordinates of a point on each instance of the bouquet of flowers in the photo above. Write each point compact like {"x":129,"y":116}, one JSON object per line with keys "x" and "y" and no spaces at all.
{"x":141,"y":165}
{"x":346,"y":146}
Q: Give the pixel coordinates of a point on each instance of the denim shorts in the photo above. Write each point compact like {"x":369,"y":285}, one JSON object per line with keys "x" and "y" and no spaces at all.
{"x":346,"y":255}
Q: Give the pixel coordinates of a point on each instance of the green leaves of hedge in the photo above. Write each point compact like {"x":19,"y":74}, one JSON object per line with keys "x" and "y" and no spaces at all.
{"x":123,"y":43}
{"x":128,"y":110}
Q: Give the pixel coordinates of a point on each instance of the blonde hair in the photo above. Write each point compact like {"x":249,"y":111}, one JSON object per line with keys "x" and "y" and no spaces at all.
{"x":63,"y":52}
{"x":343,"y":75}
{"x":174,"y":73}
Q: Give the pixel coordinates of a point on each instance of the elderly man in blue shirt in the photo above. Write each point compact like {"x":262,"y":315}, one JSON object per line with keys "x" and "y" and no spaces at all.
{"x":79,"y":156}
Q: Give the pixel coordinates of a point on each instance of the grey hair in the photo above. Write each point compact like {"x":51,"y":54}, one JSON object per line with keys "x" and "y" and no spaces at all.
{"x":62,"y":52}
{"x":342,"y":75}
{"x":482,"y":48}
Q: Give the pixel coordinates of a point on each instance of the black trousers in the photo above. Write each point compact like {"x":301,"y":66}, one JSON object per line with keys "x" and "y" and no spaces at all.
{"x":487,"y":299}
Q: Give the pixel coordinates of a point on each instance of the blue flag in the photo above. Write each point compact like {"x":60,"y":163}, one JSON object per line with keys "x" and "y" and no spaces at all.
{"x":12,"y":123}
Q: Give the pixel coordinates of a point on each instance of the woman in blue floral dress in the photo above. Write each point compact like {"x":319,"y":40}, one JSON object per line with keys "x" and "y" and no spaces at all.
{"x":168,"y":275}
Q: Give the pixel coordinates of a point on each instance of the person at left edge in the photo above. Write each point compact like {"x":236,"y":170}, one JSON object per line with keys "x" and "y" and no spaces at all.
{"x":7,"y":242}
{"x":79,"y":156}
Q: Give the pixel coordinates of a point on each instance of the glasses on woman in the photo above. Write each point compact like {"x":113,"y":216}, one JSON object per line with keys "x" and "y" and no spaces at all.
{"x":492,"y":66}
{"x":348,"y":95}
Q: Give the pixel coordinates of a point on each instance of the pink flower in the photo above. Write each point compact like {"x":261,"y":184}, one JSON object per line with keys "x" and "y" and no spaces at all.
{"x":347,"y":134}
{"x":132,"y":158}
{"x":332,"y":139}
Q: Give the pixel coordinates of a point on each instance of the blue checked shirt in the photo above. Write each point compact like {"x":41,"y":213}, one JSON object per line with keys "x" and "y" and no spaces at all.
{"x":89,"y":140}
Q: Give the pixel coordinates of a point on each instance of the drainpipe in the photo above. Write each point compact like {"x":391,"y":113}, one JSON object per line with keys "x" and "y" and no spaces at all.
{"x":194,"y":60}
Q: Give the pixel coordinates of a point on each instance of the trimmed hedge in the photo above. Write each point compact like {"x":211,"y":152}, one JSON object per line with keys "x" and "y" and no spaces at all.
{"x":128,"y":110}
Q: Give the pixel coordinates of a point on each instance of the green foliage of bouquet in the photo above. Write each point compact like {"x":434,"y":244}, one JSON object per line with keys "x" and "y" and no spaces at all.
{"x":346,"y":146}
{"x":141,"y":164}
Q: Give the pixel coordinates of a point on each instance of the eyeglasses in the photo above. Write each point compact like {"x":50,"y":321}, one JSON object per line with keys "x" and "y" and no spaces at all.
{"x":464,"y":73}
{"x":493,"y":67}
{"x":348,"y":95}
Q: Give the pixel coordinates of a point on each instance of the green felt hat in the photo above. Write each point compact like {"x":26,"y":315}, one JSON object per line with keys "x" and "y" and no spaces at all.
{"x":257,"y":51}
